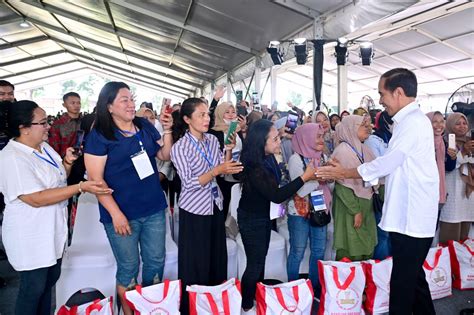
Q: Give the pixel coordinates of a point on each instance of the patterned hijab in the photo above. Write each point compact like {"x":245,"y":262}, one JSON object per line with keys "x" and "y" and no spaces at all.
{"x":346,"y":133}
{"x":460,"y":141}
{"x":219,"y":123}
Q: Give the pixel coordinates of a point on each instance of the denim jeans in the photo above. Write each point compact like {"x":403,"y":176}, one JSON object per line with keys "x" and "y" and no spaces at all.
{"x":300,"y":230}
{"x":383,"y":249}
{"x":34,"y":295}
{"x":255,"y":234}
{"x":148,"y":232}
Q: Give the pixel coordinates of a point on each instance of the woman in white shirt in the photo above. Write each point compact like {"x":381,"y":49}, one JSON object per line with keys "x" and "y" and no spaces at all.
{"x":34,"y":228}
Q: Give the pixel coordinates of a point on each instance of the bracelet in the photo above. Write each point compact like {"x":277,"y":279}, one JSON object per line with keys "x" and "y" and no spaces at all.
{"x":66,"y":162}
{"x":80,"y":189}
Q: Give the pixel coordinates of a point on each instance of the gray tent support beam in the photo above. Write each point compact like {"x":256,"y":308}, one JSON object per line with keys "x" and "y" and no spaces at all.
{"x":114,"y":27}
{"x":33,"y":57}
{"x":38,"y":69}
{"x":151,"y":13}
{"x":50,"y":76}
{"x":116,"y":49}
{"x":160,"y":76}
{"x":157,"y":83}
{"x":22,"y":42}
{"x":247,"y":88}
{"x":120,"y":32}
{"x":13,"y":19}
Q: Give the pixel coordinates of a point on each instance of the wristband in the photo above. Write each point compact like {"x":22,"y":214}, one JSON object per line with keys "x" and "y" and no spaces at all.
{"x":80,"y":189}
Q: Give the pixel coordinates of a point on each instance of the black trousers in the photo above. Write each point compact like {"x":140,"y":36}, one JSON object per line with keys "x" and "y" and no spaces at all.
{"x":256,"y":233}
{"x":409,"y":291}
{"x":202,"y":251}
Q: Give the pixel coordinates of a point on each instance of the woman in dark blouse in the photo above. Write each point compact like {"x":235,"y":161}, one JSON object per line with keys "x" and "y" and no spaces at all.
{"x":260,"y":187}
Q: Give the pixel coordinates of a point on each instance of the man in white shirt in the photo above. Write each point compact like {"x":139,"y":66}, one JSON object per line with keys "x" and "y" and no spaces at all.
{"x":411,"y":202}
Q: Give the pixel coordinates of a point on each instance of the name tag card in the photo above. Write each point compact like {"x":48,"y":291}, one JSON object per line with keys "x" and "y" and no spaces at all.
{"x":317,"y":200}
{"x":142,"y":165}
{"x":277,"y":210}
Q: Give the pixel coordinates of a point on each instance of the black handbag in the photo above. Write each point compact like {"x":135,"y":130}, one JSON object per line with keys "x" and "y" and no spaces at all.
{"x":377,"y":201}
{"x":317,"y":218}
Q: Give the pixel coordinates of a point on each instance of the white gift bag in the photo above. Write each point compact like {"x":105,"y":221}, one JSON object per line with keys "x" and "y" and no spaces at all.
{"x":295,"y":297}
{"x":161,"y":298}
{"x":377,"y":286}
{"x":437,"y":268}
{"x":462,"y":263}
{"x":342,"y":287}
{"x":97,"y":307}
{"x":224,"y":299}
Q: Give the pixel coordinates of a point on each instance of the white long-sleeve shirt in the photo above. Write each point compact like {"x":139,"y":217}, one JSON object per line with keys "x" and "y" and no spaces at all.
{"x":412,"y":180}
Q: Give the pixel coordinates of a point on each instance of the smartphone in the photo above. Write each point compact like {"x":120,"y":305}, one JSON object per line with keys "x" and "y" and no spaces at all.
{"x":168,"y":109}
{"x":239,"y":95}
{"x":230,"y":131}
{"x":78,"y":144}
{"x":472,"y":134}
{"x":241,"y":110}
{"x":452,"y":141}
{"x":166,"y":102}
{"x":255,"y":98}
{"x":291,"y":123}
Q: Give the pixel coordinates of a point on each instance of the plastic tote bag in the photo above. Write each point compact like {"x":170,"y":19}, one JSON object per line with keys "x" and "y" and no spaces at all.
{"x":377,"y":285}
{"x":342,"y":287}
{"x":295,"y":297}
{"x":462,"y":263}
{"x":437,"y":268}
{"x":162,"y":298}
{"x":224,"y":299}
{"x":97,"y":307}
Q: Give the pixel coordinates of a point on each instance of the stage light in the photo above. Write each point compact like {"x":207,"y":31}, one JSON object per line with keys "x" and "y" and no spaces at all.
{"x":366,"y":53}
{"x":275,"y":53}
{"x":341,"y":51}
{"x":25,"y":24}
{"x":300,"y":50}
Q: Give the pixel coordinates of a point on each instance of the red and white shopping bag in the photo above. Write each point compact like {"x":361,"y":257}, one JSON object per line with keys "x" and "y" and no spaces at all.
{"x":438,"y":272}
{"x":162,"y":298}
{"x":224,"y":299}
{"x":97,"y":307}
{"x":462,"y":263}
{"x":342,"y":287}
{"x":295,"y":297}
{"x":377,"y":285}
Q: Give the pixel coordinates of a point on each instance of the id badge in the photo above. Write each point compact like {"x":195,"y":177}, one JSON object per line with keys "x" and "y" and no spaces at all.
{"x":317,"y":200}
{"x":235,"y":156}
{"x":142,"y":165}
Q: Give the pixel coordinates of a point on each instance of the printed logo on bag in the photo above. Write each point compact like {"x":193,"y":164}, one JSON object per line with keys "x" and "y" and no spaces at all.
{"x":439,"y":276}
{"x":347,"y":299}
{"x":159,"y":311}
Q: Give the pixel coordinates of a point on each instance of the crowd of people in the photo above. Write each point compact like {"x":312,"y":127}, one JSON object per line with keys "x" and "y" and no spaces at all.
{"x":338,"y":167}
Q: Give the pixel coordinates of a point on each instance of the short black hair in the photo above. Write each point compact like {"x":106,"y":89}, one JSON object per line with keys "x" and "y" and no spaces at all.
{"x":403,"y":78}
{"x":70,"y":94}
{"x":6,"y":83}
{"x":20,"y":114}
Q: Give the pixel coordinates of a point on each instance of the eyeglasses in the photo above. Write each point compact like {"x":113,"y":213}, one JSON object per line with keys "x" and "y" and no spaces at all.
{"x":44,"y":124}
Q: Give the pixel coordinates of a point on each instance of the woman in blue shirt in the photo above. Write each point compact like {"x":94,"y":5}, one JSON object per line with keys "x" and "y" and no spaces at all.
{"x":121,"y":151}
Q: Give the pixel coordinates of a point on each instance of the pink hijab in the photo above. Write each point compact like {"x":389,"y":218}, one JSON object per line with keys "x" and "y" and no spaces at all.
{"x":346,"y":133}
{"x":440,"y":152}
{"x":303,"y":143}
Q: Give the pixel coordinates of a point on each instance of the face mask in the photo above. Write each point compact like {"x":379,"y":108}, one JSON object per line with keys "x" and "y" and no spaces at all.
{"x":227,"y":122}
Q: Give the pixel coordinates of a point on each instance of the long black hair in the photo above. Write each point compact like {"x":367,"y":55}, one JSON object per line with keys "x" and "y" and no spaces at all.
{"x":187,"y":109}
{"x":104,"y":123}
{"x":20,"y":114}
{"x":383,"y":130}
{"x":253,"y":148}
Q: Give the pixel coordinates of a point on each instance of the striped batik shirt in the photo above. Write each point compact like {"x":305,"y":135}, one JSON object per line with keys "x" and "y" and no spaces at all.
{"x":190,"y":164}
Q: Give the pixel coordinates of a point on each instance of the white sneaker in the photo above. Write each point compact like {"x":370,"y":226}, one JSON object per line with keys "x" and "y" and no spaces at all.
{"x":251,"y":311}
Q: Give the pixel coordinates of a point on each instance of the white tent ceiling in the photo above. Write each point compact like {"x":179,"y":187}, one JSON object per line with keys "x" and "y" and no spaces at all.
{"x":178,"y":46}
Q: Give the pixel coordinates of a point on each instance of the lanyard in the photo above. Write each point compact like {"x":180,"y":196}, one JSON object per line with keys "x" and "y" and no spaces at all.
{"x":50,"y":159}
{"x":136,"y":134}
{"x":208,"y":158}
{"x":360,"y":156}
